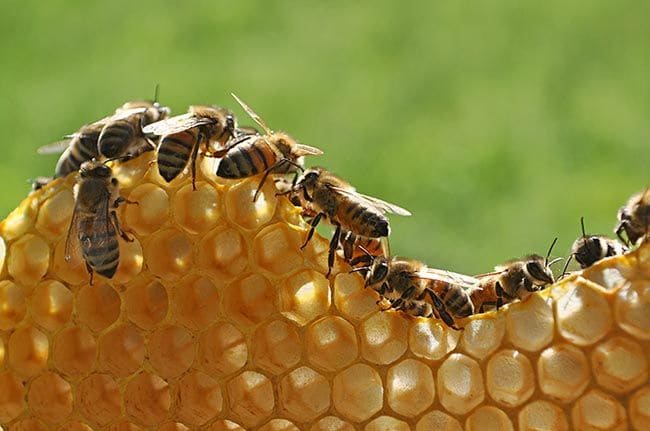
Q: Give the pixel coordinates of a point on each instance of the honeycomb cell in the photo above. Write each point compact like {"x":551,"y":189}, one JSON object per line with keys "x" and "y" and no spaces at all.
{"x":384,"y":337}
{"x":278,"y":425}
{"x":146,"y":303}
{"x":196,"y":302}
{"x":72,"y":272}
{"x":352,"y":299}
{"x":607,"y":278}
{"x":510,"y":378}
{"x":563,"y":372}
{"x":169,"y":254}
{"x":383,"y":423}
{"x":97,"y":399}
{"x":619,"y":365}
{"x":249,"y":300}
{"x":51,"y":305}
{"x":277,"y":248}
{"x":243,"y":211}
{"x":28,"y":351}
{"x":97,"y":306}
{"x":597,"y":410}
{"x":74,"y":351}
{"x":50,"y":397}
{"x":3,"y":351}
{"x":28,"y":425}
{"x":12,"y":394}
{"x":121,"y":350}
{"x":488,"y":418}
{"x":639,"y":409}
{"x":357,"y":392}
{"x":251,"y":398}
{"x":632,"y":309}
{"x":29,"y":258}
{"x":460,"y":384}
{"x":3,"y":254}
{"x":200,"y":398}
{"x":54,"y":215}
{"x":432,"y":340}
{"x":542,"y":415}
{"x":481,"y":337}
{"x":147,"y":399}
{"x":224,"y":253}
{"x":304,"y":394}
{"x":20,"y":220}
{"x":122,"y":426}
{"x":197,"y":210}
{"x":131,"y":261}
{"x":276,"y":346}
{"x":129,"y":173}
{"x":304,"y":296}
{"x":332,"y":423}
{"x":225,"y":425}
{"x":530,"y":324}
{"x":151,"y":212}
{"x":583,"y":315}
{"x":331,"y":343}
{"x":222,"y":349}
{"x":410,"y":388}
{"x":173,"y":426}
{"x":171,"y":351}
{"x":439,"y":421}
{"x":75,"y":426}
{"x":12,"y":298}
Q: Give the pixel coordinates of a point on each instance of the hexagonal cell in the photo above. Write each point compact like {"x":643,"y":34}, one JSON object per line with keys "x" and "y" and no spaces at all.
{"x":384,"y":337}
{"x":460,"y":384}
{"x":383,"y":423}
{"x":3,"y":254}
{"x":542,"y":415}
{"x":131,"y":172}
{"x":97,"y":399}
{"x":488,"y":418}
{"x":277,"y":248}
{"x":29,"y":258}
{"x":331,"y":423}
{"x":121,"y":350}
{"x":131,"y":261}
{"x":278,"y":425}
{"x":74,"y":351}
{"x":196,"y":302}
{"x":51,"y":305}
{"x":482,"y":337}
{"x":122,"y":425}
{"x":97,"y":306}
{"x":151,"y":212}
{"x":619,"y":364}
{"x":276,"y":346}
{"x":583,"y":315}
{"x":530,"y":324}
{"x":222,"y":349}
{"x":28,"y":351}
{"x":196,"y":210}
{"x":249,"y":300}
{"x":352,"y":299}
{"x":243,"y":211}
{"x":438,"y":420}
{"x":225,"y":425}
{"x":304,"y":394}
{"x":147,"y":399}
{"x":432,"y":340}
{"x":72,"y":272}
{"x":173,"y":426}
{"x":171,"y":351}
{"x":12,"y":298}
{"x":563,"y":372}
{"x":632,"y":309}
{"x":331,"y":343}
{"x":50,"y":397}
{"x":200,"y":398}
{"x":597,"y":410}
{"x":169,"y":254}
{"x":304,"y":296}
{"x":510,"y":378}
{"x":29,"y":425}
{"x":20,"y":220}
{"x":223,"y":253}
{"x":146,"y":302}
{"x":639,"y":409}
{"x":12,"y":393}
{"x":410,"y":387}
{"x":54,"y":215}
{"x":357,"y":392}
{"x":251,"y":397}
{"x":75,"y":426}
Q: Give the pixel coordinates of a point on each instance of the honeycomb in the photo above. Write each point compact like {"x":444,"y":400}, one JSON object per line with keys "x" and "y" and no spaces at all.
{"x":216,"y":320}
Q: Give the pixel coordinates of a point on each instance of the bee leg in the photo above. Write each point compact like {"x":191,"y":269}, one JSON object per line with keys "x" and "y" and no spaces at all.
{"x":90,"y":272}
{"x":619,"y":232}
{"x":119,"y":229}
{"x":122,"y":200}
{"x":500,"y":295}
{"x":193,"y":157}
{"x":334,"y":243}
{"x":361,"y":259}
{"x":314,"y":223}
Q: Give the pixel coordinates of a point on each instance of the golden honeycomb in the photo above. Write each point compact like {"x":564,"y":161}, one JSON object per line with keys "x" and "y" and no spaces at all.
{"x":216,"y":320}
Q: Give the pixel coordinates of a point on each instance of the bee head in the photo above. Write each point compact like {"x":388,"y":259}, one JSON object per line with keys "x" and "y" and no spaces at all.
{"x":94,"y":169}
{"x":539,"y":271}
{"x":378,"y":271}
{"x":310,"y":177}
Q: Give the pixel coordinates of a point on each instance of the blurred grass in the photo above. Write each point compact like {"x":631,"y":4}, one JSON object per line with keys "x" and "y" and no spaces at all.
{"x":497,"y":124}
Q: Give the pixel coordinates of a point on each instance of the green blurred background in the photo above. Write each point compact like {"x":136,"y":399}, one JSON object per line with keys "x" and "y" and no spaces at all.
{"x":498,"y":124}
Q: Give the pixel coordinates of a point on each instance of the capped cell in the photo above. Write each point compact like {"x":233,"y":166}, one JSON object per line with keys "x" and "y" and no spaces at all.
{"x":431,"y":339}
{"x":438,"y":420}
{"x":583,"y":314}
{"x":251,"y":398}
{"x":481,"y":337}
{"x":222,"y":349}
{"x":151,"y":212}
{"x":276,"y":346}
{"x":596,"y":411}
{"x":510,"y":378}
{"x":304,"y":296}
{"x":304,"y":394}
{"x":331,"y":343}
{"x":410,"y":387}
{"x":173,"y":426}
{"x":75,"y":426}
{"x":386,"y":423}
{"x":331,"y":423}
{"x":277,"y":248}
{"x":225,"y":425}
{"x":352,"y":299}
{"x":246,"y":213}
{"x":620,"y":364}
{"x":384,"y":337}
{"x":279,"y":425}
{"x":488,"y":418}
{"x":197,"y":210}
{"x":563,"y":372}
{"x":460,"y":384}
{"x":357,"y":392}
{"x":530,"y":323}
{"x":639,"y":409}
{"x":632,"y":309}
{"x":542,"y":415}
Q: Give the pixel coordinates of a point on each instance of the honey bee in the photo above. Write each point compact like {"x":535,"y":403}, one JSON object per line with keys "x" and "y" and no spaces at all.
{"x":634,"y":218}
{"x":183,"y":135}
{"x":252,"y":154}
{"x":94,"y":225}
{"x":77,"y":148}
{"x":589,"y":249}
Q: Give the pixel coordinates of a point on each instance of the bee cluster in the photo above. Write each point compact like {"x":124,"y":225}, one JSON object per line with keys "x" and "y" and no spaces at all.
{"x":361,"y":225}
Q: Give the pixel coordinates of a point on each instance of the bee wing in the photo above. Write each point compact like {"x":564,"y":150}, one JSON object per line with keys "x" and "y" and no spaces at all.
{"x":175,"y":124}
{"x":376,"y":202}
{"x":72,"y":239}
{"x":121,"y":114}
{"x":253,"y":115}
{"x":306,"y":150}
{"x":55,"y":147}
{"x":445,"y":276}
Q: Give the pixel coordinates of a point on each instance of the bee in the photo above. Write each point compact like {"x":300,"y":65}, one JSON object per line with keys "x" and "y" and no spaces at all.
{"x":634,"y":218}
{"x":589,"y":249}
{"x":94,"y":226}
{"x":252,"y":154}
{"x":77,"y":148}
{"x":40,"y":182}
{"x":183,"y":135}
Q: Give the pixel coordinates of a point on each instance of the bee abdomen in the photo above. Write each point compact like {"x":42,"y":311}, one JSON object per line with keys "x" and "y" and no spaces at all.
{"x":246,"y":160}
{"x":81,"y":149}
{"x":115,"y":138}
{"x":368,"y":222}
{"x":174,"y":153}
{"x":101,"y":252}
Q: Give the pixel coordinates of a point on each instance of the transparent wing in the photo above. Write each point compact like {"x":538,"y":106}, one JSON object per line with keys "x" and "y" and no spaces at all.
{"x":445,"y":276}
{"x":253,"y":115}
{"x":72,"y":239}
{"x":306,"y":150}
{"x":121,"y":114}
{"x":55,"y":147}
{"x":376,"y":202}
{"x":176,"y":124}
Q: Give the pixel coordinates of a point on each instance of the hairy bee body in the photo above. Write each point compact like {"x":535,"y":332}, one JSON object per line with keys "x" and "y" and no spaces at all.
{"x":81,"y":148}
{"x":252,"y":155}
{"x":174,"y":151}
{"x":634,"y":218}
{"x":589,"y":249}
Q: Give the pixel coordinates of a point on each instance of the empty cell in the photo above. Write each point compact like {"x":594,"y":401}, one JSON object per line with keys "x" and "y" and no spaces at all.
{"x":98,"y":399}
{"x":54,"y":215}
{"x":439,"y":421}
{"x":197,"y":210}
{"x":249,"y":300}
{"x":28,"y":350}
{"x":200,"y":398}
{"x":196,"y":302}
{"x":171,"y":351}
{"x":151,"y":212}
{"x":277,"y":248}
{"x":488,"y":418}
{"x":251,"y":398}
{"x":386,"y":423}
{"x":304,"y":296}
{"x":97,"y":306}
{"x":29,"y":258}
{"x":224,"y":425}
{"x":332,"y":423}
{"x":304,"y":394}
{"x":222,"y":349}
{"x":146,"y":302}
{"x":131,"y":261}
{"x":352,"y":300}
{"x":243,"y":211}
{"x":12,"y":395}
{"x":74,"y":351}
{"x":50,"y":397}
{"x":276,"y":346}
{"x":223,"y":253}
{"x":169,"y":254}
{"x":278,"y":425}
{"x":147,"y":399}
{"x":121,"y":350}
{"x":12,"y":298}
{"x":51,"y":305}
{"x":639,"y":408}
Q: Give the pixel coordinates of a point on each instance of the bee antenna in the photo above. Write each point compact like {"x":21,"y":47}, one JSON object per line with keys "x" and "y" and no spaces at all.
{"x":253,"y":114}
{"x":582,"y":225}
{"x":554,"y":261}
{"x":566,"y":265}
{"x":363,"y":249}
{"x":361,"y":268}
{"x":550,"y":249}
{"x":155,"y":93}
{"x":118,"y":159}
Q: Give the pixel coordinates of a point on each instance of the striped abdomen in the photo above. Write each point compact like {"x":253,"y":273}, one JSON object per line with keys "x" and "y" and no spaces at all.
{"x":174,"y":152}
{"x":82,"y":148}
{"x":361,"y":218}
{"x":99,"y":246}
{"x":248,"y":158}
{"x":455,"y":299}
{"x":352,"y":244}
{"x":116,"y":137}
